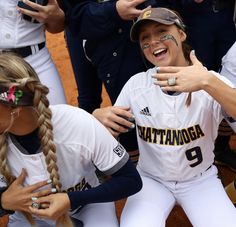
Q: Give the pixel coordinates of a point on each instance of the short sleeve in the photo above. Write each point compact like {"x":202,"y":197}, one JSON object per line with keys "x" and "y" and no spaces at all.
{"x":108,"y":155}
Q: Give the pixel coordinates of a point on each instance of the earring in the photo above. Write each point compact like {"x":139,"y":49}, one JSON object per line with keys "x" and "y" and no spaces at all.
{"x":14,"y":114}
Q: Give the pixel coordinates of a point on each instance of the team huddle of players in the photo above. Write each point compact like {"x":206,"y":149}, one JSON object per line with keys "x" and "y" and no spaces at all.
{"x":51,"y":156}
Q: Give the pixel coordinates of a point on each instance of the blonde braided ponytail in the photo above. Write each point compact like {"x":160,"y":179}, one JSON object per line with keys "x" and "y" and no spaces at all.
{"x":15,"y":69}
{"x":4,"y":168}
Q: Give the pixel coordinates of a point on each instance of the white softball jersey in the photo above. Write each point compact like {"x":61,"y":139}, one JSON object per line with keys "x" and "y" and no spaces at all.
{"x":176,"y":142}
{"x":229,"y":64}
{"x":14,"y":30}
{"x":229,"y":71}
{"x":81,"y":142}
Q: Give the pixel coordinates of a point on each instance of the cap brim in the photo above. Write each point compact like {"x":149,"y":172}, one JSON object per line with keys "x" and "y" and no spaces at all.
{"x":134,"y":31}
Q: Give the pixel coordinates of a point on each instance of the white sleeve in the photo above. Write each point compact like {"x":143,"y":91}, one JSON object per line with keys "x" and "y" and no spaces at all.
{"x":229,"y":65}
{"x":107,"y":154}
{"x":229,"y":119}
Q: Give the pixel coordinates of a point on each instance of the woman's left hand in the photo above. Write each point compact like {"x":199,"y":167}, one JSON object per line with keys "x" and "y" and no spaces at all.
{"x":185,"y":79}
{"x":58,"y":204}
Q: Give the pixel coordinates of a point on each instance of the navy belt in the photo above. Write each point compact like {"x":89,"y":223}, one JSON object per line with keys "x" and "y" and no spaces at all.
{"x":24,"y":51}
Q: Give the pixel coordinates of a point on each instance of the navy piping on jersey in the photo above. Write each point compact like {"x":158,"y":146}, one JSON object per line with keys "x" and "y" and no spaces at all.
{"x":125,"y":179}
{"x":27,"y":144}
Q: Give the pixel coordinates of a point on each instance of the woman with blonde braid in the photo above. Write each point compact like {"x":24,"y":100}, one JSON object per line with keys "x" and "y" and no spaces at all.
{"x":48,"y":157}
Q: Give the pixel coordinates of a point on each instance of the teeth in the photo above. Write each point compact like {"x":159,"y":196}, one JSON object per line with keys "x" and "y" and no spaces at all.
{"x":158,"y":51}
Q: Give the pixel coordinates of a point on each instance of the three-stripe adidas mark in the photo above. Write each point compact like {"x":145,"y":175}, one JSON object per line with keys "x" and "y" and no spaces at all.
{"x":145,"y":111}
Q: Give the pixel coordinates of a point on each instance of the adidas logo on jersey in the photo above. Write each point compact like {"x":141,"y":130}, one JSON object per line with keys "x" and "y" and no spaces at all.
{"x":145,"y":111}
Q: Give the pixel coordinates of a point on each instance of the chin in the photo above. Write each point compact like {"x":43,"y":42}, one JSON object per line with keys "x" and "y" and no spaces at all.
{"x":162,"y":64}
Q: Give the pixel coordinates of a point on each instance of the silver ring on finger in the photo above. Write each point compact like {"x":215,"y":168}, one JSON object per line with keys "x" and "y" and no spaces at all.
{"x":171,"y":81}
{"x":35,"y":205}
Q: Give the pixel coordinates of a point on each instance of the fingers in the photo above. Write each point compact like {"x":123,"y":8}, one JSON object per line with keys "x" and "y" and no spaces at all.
{"x":44,"y":205}
{"x":162,"y":78}
{"x":122,"y":111}
{"x":118,"y":124}
{"x":43,"y":213}
{"x":117,"y":119}
{"x":21,"y":178}
{"x":37,"y":186}
{"x":194,"y":59}
{"x":127,"y":9}
{"x":164,"y":86}
{"x":120,"y":120}
{"x":27,"y":11}
{"x":34,"y":5}
{"x":44,"y":199}
{"x":44,"y":192}
{"x":168,"y":69}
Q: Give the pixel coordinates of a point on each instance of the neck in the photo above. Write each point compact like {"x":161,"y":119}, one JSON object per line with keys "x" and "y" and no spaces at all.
{"x":182,"y":61}
{"x":25,"y":123}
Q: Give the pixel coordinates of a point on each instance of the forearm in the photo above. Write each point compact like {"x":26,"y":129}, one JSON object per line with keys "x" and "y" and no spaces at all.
{"x":123,"y":183}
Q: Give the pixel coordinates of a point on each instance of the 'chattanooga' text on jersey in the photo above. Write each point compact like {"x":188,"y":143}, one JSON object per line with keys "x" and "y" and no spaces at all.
{"x":173,"y":137}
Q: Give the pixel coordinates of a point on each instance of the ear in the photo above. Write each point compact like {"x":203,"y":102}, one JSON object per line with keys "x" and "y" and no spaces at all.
{"x":183,"y":35}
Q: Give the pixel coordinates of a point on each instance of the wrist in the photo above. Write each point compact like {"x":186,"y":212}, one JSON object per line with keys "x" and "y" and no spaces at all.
{"x":208,"y":80}
{"x":3,"y":211}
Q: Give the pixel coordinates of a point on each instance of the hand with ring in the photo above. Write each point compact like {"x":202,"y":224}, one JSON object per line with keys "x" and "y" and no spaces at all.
{"x":183,"y":79}
{"x":58,"y":204}
{"x":34,"y":203}
{"x":171,"y":81}
{"x":18,"y":197}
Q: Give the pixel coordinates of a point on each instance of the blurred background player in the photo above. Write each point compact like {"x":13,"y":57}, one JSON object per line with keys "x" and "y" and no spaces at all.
{"x":22,"y":31}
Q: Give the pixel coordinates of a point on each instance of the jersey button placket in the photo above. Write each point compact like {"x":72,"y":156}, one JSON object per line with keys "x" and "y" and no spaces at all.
{"x":108,"y":78}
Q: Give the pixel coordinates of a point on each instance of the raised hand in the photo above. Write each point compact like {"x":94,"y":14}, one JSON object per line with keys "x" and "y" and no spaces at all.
{"x":19,"y":197}
{"x":115,"y":119}
{"x":127,"y":9}
{"x":184,"y":79}
{"x":51,"y":14}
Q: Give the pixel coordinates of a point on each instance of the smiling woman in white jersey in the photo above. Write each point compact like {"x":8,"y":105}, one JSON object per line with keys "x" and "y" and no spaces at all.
{"x":177,"y":108}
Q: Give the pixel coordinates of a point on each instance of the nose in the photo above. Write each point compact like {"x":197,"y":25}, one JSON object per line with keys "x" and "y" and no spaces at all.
{"x":154,"y":41}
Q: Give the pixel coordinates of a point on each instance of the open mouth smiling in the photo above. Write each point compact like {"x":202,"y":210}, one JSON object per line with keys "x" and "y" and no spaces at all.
{"x":158,"y":53}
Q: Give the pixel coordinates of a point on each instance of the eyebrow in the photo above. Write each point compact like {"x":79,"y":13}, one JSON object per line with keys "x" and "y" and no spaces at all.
{"x":143,"y":28}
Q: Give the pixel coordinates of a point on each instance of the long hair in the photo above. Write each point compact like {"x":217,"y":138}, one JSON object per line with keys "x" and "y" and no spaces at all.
{"x":16,"y":71}
{"x":186,"y":51}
